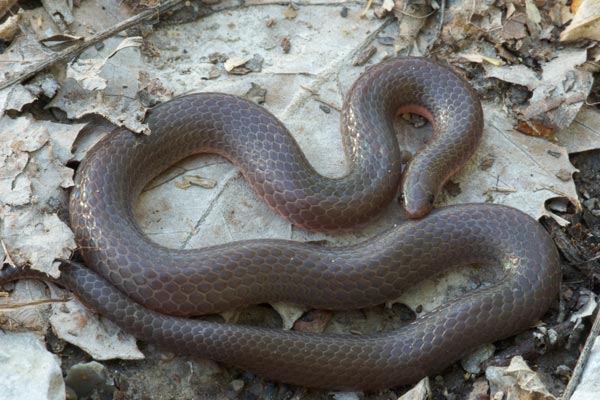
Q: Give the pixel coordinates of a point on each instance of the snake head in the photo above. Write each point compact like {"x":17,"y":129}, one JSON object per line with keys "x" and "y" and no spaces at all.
{"x":418,"y":195}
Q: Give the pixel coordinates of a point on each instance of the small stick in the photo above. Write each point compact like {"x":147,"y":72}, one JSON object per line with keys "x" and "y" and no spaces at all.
{"x":72,"y":51}
{"x":14,"y":306}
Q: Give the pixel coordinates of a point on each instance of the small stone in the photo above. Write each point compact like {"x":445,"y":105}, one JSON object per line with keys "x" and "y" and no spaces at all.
{"x":563,"y":371}
{"x":346,"y":396}
{"x":480,"y":389}
{"x":472,"y":362}
{"x":344,"y":12}
{"x":256,"y":93}
{"x":325,"y":109}
{"x":286,"y":45}
{"x":487,"y":162}
{"x":386,"y":40}
{"x":590,"y":204}
{"x":554,"y":154}
{"x":564,"y":175}
{"x":255,"y":63}
{"x":89,"y":378}
{"x":237,"y":385}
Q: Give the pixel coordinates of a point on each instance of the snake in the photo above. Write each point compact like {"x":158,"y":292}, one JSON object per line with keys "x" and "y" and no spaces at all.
{"x":151,"y":291}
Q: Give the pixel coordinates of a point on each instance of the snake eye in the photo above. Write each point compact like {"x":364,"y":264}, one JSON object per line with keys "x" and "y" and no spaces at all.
{"x":431,"y":199}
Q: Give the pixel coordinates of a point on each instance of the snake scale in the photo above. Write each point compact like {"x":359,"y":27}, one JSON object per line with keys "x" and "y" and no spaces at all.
{"x":148,"y":289}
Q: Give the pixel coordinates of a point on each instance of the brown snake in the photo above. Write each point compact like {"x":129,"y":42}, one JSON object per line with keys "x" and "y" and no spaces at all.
{"x":132,"y":279}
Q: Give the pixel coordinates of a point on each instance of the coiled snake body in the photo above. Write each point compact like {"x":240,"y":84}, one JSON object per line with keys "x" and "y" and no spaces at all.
{"x":136,"y":282}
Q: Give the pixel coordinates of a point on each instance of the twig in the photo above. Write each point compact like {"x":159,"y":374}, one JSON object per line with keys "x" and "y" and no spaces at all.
{"x":500,"y":190}
{"x":316,"y":96}
{"x":98,"y":37}
{"x":14,"y":306}
{"x":366,"y":9}
{"x":7,"y":258}
{"x":583,"y":358}
{"x":442,"y":12}
{"x":589,"y":260}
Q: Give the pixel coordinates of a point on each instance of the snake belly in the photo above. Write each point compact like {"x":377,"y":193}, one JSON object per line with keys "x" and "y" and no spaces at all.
{"x":147,"y":289}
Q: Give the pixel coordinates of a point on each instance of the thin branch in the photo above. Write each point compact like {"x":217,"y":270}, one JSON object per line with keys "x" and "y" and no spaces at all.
{"x":15,"y":306}
{"x":74,"y":50}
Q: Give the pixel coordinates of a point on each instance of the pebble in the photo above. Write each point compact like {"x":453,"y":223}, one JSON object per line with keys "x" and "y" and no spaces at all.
{"x":87,"y":379}
{"x":590,"y":204}
{"x":472,"y":362}
{"x":237,"y":385}
{"x":563,"y":371}
{"x":346,"y":396}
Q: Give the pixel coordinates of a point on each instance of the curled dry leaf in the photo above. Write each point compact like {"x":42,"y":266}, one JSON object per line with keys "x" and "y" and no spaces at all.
{"x":585,"y":24}
{"x":517,"y":382}
{"x":196,"y":180}
{"x":61,"y":39}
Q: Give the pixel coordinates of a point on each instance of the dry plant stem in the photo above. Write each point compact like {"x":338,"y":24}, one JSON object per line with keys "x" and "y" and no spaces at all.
{"x":583,"y":358}
{"x":98,"y":37}
{"x":14,"y":306}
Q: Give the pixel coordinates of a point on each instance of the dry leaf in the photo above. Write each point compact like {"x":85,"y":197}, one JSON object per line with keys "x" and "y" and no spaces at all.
{"x":235,"y":62}
{"x":535,"y":129}
{"x":585,"y":23}
{"x":516,"y":382}
{"x":9,"y":28}
{"x":290,"y":12}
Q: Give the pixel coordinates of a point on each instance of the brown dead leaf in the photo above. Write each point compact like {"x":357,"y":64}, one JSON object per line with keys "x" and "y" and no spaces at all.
{"x":535,"y":129}
{"x":515,"y":27}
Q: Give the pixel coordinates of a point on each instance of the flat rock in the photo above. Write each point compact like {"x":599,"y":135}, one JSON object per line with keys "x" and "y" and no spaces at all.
{"x":29,"y":371}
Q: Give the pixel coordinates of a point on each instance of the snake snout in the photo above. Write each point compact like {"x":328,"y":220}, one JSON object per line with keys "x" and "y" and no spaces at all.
{"x":418,"y":196}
